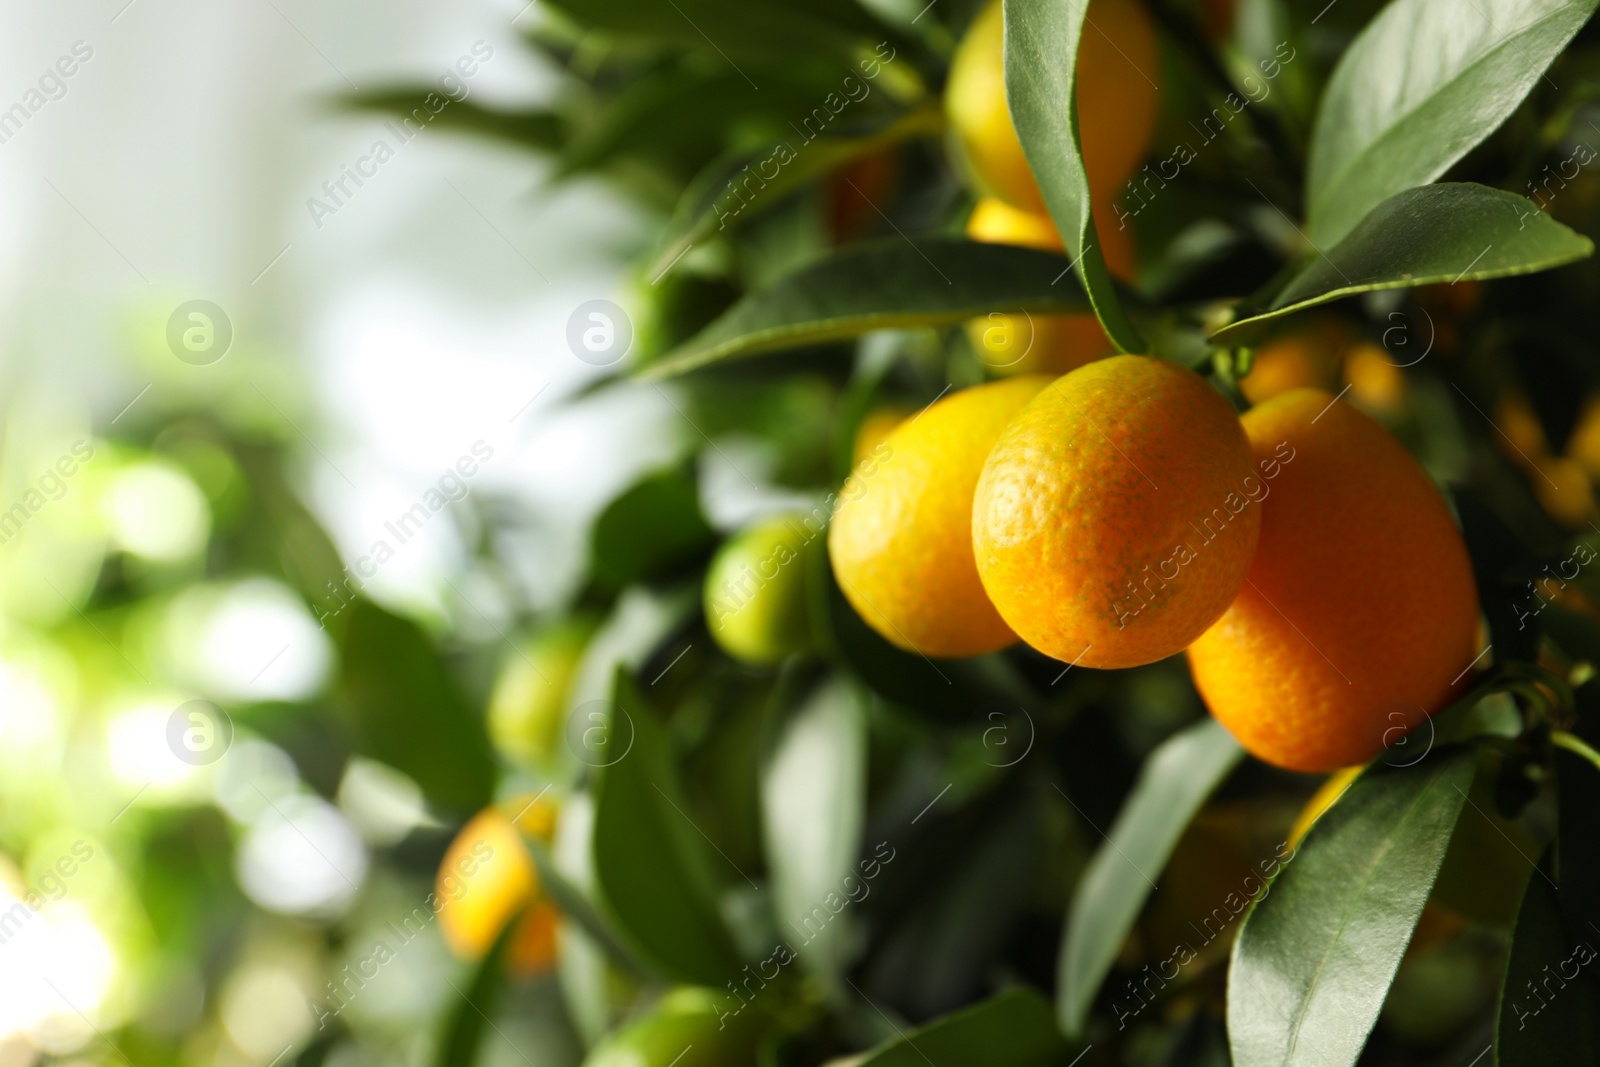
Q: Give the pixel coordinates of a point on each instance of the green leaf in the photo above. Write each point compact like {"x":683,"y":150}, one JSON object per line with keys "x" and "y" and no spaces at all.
{"x":406,"y":711}
{"x":1041,"y":67}
{"x":935,"y":281}
{"x":542,"y":131}
{"x":1438,"y":233}
{"x":715,"y":202}
{"x":467,"y":1022}
{"x":651,"y":870}
{"x":956,"y":912}
{"x":1175,"y":782}
{"x":667,"y":504}
{"x":1425,"y":82}
{"x":1545,"y":1012}
{"x":1011,"y":1029}
{"x":813,"y":805}
{"x":1315,"y":956}
{"x":572,"y":903}
{"x":723,"y":27}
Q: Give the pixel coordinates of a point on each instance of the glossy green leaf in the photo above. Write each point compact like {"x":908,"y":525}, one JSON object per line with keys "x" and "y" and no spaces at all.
{"x":1011,"y":1029}
{"x":1175,"y":782}
{"x":896,"y":282}
{"x":667,"y":503}
{"x":1041,"y":68}
{"x":1438,"y":233}
{"x":1315,"y":956}
{"x":813,"y":806}
{"x":651,"y":866}
{"x":735,"y":188}
{"x":1545,"y":1012}
{"x":467,"y":1020}
{"x":405,"y":710}
{"x":1425,"y":82}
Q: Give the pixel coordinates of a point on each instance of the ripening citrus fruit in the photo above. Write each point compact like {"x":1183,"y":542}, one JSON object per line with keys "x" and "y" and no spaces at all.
{"x":1118,"y":68}
{"x":874,"y":428}
{"x":689,"y":1027}
{"x":1521,"y":434}
{"x":1563,"y":489}
{"x":528,"y":705}
{"x":1305,"y":357}
{"x":1375,"y":381}
{"x":487,"y":875}
{"x":994,"y":221}
{"x":1584,"y":444}
{"x":755,"y":592}
{"x":1360,"y":612}
{"x":1025,"y":343}
{"x":901,"y":537}
{"x":1114,"y":519}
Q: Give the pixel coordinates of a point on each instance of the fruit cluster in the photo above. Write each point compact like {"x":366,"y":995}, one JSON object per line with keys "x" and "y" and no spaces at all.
{"x":1123,"y":512}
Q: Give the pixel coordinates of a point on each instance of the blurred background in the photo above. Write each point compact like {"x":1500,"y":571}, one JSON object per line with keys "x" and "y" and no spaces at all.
{"x":371,"y":348}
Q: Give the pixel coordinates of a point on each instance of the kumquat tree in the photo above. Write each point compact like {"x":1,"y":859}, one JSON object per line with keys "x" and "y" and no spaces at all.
{"x":1064,"y":535}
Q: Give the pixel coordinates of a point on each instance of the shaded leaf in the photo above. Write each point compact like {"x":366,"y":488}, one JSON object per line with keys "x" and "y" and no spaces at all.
{"x":1315,"y":956}
{"x":651,"y":871}
{"x":666,"y":503}
{"x":878,"y":286}
{"x":1438,"y":233}
{"x":467,"y":1020}
{"x":1011,"y":1029}
{"x":532,"y":128}
{"x":1041,"y":68}
{"x":406,"y":711}
{"x":1422,"y":84}
{"x":1545,"y":1012}
{"x":714,"y":202}
{"x":813,"y":804}
{"x":948,"y":916}
{"x":739,"y":27}
{"x":1176,"y":780}
{"x":571,"y":902}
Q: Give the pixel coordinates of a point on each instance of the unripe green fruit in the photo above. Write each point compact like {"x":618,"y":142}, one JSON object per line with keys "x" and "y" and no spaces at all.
{"x":755,"y":592}
{"x":690,"y":1027}
{"x":529,"y":701}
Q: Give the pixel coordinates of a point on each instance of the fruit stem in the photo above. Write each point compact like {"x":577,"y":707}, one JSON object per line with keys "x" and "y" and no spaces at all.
{"x":1573,"y":743}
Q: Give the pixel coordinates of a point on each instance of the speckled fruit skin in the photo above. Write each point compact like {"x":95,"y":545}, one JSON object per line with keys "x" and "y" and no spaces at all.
{"x":1090,"y":518}
{"x":901,"y":537}
{"x":1360,"y":612}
